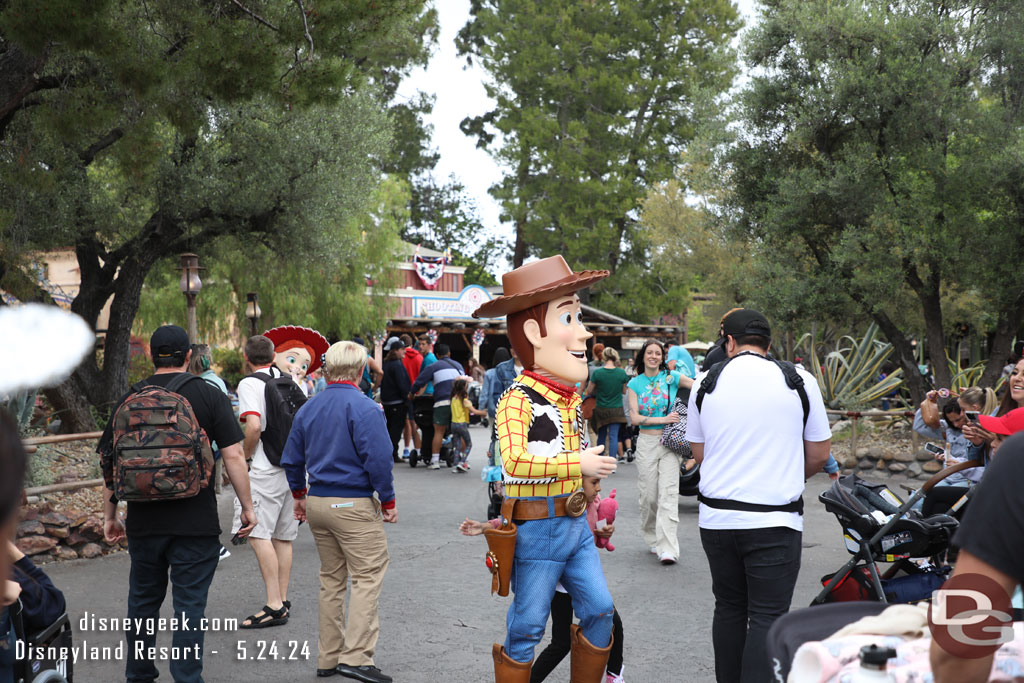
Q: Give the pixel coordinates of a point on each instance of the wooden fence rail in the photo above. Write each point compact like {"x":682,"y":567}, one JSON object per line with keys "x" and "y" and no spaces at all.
{"x":31,"y":447}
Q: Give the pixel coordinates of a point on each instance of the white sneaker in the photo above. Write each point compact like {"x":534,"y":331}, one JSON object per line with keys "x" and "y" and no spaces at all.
{"x":654,"y":550}
{"x":434,"y":466}
{"x":224,"y":553}
{"x":667,"y":558}
{"x":462,"y":467}
{"x":616,"y":678}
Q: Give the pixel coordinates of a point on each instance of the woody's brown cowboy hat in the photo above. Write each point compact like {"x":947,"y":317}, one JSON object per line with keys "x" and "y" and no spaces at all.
{"x":536,"y":283}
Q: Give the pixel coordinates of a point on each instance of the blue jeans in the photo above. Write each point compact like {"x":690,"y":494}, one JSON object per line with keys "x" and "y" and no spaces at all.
{"x":548,"y":551}
{"x":191,"y":561}
{"x":609,"y":434}
{"x":753,"y":574}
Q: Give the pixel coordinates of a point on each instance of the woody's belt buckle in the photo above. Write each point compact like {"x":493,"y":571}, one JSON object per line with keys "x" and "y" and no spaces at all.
{"x":576,"y":504}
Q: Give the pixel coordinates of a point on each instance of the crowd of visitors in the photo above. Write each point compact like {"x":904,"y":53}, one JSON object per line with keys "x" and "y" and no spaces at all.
{"x":334,"y":473}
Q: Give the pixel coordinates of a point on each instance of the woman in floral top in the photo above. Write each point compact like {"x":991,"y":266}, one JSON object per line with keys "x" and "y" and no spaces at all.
{"x":651,"y":394}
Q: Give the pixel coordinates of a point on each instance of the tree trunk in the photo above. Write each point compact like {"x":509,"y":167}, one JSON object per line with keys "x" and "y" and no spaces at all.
{"x":522,"y":175}
{"x":1006,"y":330}
{"x":905,"y":355}
{"x":70,"y":404}
{"x":928,"y":293}
{"x":121,"y":274}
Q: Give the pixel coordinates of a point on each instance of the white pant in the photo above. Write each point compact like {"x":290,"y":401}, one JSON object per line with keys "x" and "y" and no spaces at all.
{"x":658,"y":483}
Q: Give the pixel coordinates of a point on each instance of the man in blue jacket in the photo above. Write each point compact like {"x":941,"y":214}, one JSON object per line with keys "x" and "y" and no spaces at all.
{"x":341,"y":441}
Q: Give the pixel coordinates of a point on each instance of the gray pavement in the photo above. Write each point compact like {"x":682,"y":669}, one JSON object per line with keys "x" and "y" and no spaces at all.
{"x":438,"y":619}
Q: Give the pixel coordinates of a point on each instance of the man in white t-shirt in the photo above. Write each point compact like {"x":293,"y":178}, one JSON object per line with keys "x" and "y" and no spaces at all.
{"x":276,"y":525}
{"x":756,"y":449}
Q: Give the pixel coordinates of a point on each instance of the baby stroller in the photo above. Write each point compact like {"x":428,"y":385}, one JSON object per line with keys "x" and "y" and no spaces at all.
{"x":880,"y":527}
{"x":495,"y":490}
{"x":53,"y":644}
{"x":423,"y":415}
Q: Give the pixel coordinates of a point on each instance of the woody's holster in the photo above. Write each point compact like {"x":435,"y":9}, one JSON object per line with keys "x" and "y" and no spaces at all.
{"x":501,"y":549}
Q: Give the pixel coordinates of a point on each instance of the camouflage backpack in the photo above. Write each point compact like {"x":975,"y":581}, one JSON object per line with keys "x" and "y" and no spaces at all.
{"x":160,"y":451}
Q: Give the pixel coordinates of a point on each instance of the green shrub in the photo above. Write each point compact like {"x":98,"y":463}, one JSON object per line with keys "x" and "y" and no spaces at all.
{"x":228,"y":364}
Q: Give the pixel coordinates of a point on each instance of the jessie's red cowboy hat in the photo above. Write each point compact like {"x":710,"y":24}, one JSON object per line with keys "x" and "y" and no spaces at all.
{"x":536,"y":283}
{"x":299,"y":336}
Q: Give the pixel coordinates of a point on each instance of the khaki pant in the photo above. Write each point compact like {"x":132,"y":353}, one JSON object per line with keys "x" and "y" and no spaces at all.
{"x":351,"y":542}
{"x":658,"y":484}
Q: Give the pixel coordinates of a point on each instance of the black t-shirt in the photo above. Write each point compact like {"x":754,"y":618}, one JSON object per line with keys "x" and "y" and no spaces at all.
{"x":714,"y":355}
{"x":993,"y":526}
{"x":196,"y":516}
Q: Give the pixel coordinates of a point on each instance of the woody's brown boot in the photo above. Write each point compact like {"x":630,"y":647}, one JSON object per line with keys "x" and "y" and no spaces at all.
{"x":508,"y":670}
{"x":588,"y":663}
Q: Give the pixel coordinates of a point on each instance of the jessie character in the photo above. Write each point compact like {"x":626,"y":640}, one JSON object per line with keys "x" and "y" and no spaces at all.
{"x":297,"y":350}
{"x":544,"y":539}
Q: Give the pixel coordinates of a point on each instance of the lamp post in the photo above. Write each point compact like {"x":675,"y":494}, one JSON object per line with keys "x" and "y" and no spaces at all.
{"x":252,"y":312}
{"x":190,"y":286}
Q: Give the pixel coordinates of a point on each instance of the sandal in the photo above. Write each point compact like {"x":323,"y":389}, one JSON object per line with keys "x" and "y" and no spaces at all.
{"x":266,"y":617}
{"x":287,"y":604}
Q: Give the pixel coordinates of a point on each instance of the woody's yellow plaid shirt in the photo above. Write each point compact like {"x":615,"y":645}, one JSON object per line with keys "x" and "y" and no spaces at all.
{"x":550,"y":473}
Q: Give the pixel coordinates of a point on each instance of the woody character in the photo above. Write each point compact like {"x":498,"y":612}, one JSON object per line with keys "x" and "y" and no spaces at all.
{"x":543,"y":459}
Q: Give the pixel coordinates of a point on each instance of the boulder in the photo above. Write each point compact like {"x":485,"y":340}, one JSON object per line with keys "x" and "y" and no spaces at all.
{"x":29,"y":513}
{"x":923,"y":456}
{"x":77,"y":517}
{"x":887,"y":456}
{"x":44,"y":507}
{"x":876,"y":452}
{"x":914,"y":469}
{"x":841,"y":425}
{"x":54,"y":519}
{"x":66,"y":553}
{"x":863,"y":452}
{"x":880,"y":465}
{"x":90,"y":550}
{"x":91,"y":529}
{"x":30,"y":527}
{"x":931,"y":467}
{"x":865,"y":464}
{"x":57,"y":531}
{"x":848,"y":461}
{"x":896,"y":467}
{"x":34,"y":545}
{"x":903,"y":456}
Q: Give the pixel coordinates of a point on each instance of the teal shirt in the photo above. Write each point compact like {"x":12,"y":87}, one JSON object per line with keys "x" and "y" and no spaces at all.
{"x":654,"y":395}
{"x":428,"y":359}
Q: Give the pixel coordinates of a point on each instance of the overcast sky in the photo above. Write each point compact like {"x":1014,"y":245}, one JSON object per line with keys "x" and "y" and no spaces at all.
{"x":460,"y":93}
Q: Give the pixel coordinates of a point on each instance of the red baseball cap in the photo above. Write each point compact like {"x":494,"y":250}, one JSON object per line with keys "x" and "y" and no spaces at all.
{"x":1011,"y":423}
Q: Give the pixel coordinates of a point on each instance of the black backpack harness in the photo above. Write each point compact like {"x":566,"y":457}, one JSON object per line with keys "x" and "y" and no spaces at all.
{"x":795,"y":382}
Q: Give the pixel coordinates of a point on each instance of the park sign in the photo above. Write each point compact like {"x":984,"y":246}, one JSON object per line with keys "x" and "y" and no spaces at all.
{"x":460,"y":305}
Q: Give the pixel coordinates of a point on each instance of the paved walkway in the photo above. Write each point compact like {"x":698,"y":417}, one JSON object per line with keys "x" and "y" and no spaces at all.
{"x":438,"y":619}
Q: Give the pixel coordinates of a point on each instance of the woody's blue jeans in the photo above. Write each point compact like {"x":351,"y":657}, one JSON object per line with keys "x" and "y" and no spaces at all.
{"x":549,"y":551}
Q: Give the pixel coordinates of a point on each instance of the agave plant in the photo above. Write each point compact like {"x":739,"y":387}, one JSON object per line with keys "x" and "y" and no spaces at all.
{"x":20,"y":405}
{"x":849,"y":375}
{"x":969,"y":376}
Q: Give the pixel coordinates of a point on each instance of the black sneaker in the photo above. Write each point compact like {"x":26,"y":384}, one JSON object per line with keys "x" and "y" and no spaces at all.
{"x":367,"y":674}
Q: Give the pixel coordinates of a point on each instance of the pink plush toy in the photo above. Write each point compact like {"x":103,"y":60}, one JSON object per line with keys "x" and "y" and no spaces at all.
{"x":606,"y":510}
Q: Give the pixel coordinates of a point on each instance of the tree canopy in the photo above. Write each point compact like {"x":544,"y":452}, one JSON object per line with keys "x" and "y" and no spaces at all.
{"x":594,"y":101}
{"x":873,"y":171}
{"x":135,"y":130}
